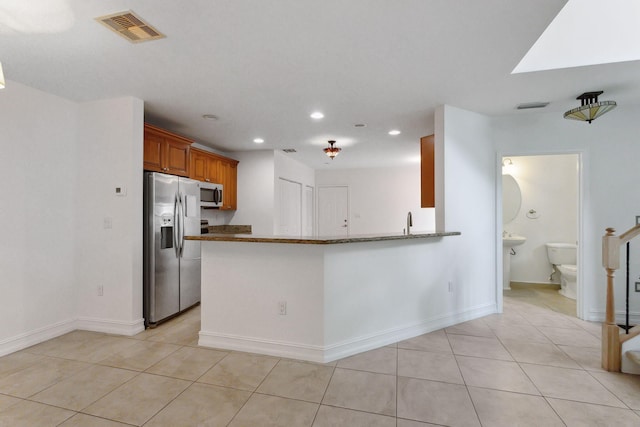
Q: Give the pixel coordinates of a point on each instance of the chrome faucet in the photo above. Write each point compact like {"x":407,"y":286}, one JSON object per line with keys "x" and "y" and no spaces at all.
{"x":409,"y":222}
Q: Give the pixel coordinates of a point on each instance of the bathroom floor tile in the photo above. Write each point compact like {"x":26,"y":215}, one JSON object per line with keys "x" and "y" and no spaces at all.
{"x":329,"y":416}
{"x":429,"y":366}
{"x":240,"y":370}
{"x":489,"y":348}
{"x":539,"y":353}
{"x":271,"y":411}
{"x":577,"y":414}
{"x":500,"y":408}
{"x":570,"y":384}
{"x":382,"y":361}
{"x":625,"y":387}
{"x":435,"y":402}
{"x":84,"y":420}
{"x":136,"y":401}
{"x":84,"y":388}
{"x":26,"y":413}
{"x":187,"y":363}
{"x":363,"y":391}
{"x":201,"y":405}
{"x":495,"y":374}
{"x":434,"y":341}
{"x":296,"y":380}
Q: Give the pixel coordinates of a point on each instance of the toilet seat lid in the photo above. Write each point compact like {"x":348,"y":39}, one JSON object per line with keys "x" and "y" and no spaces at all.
{"x":569,"y":267}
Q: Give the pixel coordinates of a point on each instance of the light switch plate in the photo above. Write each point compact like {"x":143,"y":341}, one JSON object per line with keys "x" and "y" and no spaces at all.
{"x":121,"y":191}
{"x":637,"y":286}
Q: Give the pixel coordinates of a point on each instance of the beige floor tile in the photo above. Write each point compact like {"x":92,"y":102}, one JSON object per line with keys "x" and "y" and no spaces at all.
{"x":201,"y":405}
{"x":410,"y":423}
{"x":576,"y":414}
{"x":489,"y":348}
{"x":6,"y":401}
{"x":571,"y":384}
{"x":28,"y":414}
{"x":329,"y":416}
{"x":499,"y":408}
{"x":589,"y":358}
{"x":495,"y":374}
{"x":240,"y":370}
{"x":139,"y":356}
{"x":84,"y":388}
{"x":187,"y":363}
{"x":520,"y":333}
{"x":296,"y":380}
{"x":435,"y":341}
{"x":36,"y":378}
{"x":362,"y":391}
{"x":594,"y":328}
{"x":271,"y":411}
{"x":17,"y":361}
{"x":429,"y":366}
{"x":435,"y":402}
{"x":83,"y":346}
{"x":539,"y":353}
{"x":382,"y":360}
{"x":138,"y":400}
{"x":574,"y":337}
{"x":83,"y":420}
{"x":182,"y":333}
{"x":495,"y":321}
{"x":553,"y":320}
{"x":625,"y":386}
{"x":476,"y":328}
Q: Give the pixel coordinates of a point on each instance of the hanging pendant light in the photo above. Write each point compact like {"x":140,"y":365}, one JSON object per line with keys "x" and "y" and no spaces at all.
{"x":332,"y":151}
{"x":590,"y":109}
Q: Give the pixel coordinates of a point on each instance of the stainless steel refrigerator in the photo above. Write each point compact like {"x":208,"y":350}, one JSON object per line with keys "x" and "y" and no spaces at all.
{"x":171,"y":263}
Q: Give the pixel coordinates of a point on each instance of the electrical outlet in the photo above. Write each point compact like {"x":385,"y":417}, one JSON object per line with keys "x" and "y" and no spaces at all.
{"x":100,"y":290}
{"x":282,"y":308}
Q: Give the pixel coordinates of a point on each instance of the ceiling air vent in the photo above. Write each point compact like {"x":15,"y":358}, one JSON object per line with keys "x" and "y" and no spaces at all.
{"x":530,"y":105}
{"x":289,"y":150}
{"x":130,"y":26}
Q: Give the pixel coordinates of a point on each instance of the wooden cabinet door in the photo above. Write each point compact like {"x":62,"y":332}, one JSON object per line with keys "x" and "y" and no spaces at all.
{"x":427,"y":172}
{"x":153,"y":152}
{"x":199,"y":165}
{"x":228,"y":175}
{"x":177,"y":158}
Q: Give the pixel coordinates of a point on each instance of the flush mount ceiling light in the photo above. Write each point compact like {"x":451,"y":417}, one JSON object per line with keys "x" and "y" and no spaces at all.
{"x":1,"y":77}
{"x":394,"y":132}
{"x":590,"y":109}
{"x":258,"y":140}
{"x":332,"y":151}
{"x":317,"y":115}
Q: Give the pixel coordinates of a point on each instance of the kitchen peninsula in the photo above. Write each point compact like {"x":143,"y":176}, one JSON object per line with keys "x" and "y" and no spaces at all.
{"x":321,"y":299}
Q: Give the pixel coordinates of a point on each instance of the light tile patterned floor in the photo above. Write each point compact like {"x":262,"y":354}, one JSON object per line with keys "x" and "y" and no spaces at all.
{"x":526,"y":367}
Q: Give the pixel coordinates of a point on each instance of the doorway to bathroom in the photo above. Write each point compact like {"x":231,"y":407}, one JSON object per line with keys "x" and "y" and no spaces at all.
{"x":541,"y":223}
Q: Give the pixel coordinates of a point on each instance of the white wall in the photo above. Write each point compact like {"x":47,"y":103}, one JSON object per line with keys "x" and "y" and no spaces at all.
{"x":37,"y":178}
{"x":465,"y":161}
{"x":549,"y":185}
{"x":381,"y":197}
{"x":610,"y":150}
{"x":110,"y":149}
{"x":256,"y":191}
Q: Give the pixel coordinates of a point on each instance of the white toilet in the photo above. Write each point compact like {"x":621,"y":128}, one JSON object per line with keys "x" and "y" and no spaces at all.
{"x":563,"y":257}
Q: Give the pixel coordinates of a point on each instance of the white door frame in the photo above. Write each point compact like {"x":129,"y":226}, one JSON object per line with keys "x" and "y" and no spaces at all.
{"x":301,"y":200}
{"x":317,"y":213}
{"x":583,"y":164}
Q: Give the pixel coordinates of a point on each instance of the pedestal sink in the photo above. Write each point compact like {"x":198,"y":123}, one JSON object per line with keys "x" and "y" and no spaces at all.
{"x":509,"y":240}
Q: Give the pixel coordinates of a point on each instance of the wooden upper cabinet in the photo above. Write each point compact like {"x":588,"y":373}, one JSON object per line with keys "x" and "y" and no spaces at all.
{"x":166,"y":152}
{"x":427,"y":172}
{"x":229,"y":179}
{"x":210,"y":167}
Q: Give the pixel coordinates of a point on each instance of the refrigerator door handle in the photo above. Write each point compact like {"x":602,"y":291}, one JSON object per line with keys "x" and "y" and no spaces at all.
{"x":176,"y":225}
{"x":182,"y":220}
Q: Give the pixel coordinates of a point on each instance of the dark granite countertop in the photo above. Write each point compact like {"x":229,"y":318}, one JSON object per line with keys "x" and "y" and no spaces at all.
{"x":320,"y":240}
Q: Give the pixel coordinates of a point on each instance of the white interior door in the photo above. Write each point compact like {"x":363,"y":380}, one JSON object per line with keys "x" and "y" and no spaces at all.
{"x":309,"y":209}
{"x":333,"y":211}
{"x":290,"y":208}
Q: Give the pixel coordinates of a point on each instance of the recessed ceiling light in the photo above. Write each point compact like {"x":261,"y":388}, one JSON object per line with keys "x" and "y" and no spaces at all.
{"x":317,"y":115}
{"x":258,"y":140}
{"x":210,"y":116}
{"x":394,"y":132}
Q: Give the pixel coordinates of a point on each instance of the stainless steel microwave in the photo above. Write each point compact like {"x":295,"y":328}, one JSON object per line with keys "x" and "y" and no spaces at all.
{"x":210,"y":195}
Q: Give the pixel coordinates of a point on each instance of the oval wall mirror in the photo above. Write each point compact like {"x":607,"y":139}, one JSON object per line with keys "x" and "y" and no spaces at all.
{"x":511,"y":198}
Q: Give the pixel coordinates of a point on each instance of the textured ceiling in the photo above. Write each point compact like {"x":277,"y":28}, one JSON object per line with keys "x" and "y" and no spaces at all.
{"x":263,"y":66}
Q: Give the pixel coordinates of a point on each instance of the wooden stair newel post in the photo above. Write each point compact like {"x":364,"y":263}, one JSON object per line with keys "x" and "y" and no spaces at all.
{"x":610,"y":330}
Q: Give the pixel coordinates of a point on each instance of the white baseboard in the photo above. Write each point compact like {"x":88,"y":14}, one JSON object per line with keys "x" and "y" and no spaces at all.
{"x":597,"y":315}
{"x":116,"y":327}
{"x":27,"y":339}
{"x":329,"y":353}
